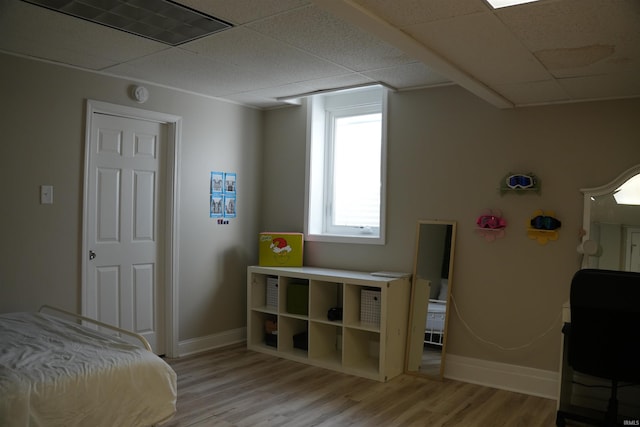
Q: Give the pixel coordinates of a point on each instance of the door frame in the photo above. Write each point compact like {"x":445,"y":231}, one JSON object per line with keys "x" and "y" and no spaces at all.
{"x":627,"y":245}
{"x":171,"y":231}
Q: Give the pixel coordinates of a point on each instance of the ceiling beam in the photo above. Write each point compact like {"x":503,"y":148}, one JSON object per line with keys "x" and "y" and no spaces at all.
{"x":368,"y":21}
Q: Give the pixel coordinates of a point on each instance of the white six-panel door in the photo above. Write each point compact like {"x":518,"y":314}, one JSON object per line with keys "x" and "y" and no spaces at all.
{"x":125,"y":272}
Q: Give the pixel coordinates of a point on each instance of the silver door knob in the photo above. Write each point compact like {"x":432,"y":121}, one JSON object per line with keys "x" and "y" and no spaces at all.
{"x":92,"y":255}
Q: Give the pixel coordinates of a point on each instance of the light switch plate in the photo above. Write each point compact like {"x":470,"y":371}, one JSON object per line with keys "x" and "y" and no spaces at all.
{"x":46,"y":194}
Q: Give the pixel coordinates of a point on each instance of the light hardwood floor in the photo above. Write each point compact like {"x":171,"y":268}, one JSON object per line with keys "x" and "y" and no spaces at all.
{"x":237,"y":387}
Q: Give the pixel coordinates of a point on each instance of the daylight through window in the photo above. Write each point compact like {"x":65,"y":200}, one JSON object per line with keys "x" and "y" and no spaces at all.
{"x":356,"y":173}
{"x":346,"y":167}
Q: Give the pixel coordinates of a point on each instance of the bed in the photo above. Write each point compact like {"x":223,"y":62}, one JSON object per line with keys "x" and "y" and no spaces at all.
{"x":57,"y":372}
{"x":436,"y":312}
{"x":434,"y":326}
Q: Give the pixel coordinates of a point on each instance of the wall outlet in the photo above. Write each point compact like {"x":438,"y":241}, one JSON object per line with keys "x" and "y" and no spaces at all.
{"x":46,"y":194}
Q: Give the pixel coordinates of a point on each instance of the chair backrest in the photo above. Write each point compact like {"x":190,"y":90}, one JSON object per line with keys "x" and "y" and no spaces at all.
{"x":605,"y":324}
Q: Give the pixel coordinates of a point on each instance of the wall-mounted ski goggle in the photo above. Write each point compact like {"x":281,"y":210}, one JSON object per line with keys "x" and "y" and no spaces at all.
{"x":520,"y":181}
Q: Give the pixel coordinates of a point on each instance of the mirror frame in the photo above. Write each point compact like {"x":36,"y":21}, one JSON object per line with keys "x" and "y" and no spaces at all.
{"x":453,"y":224}
{"x":602,"y":190}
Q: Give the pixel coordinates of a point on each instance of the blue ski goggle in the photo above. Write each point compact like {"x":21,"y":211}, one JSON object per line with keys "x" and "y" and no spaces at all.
{"x":543,"y":222}
{"x":520,"y":181}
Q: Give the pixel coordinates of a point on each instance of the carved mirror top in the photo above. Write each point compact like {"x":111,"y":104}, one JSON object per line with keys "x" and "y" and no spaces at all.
{"x":613,"y":185}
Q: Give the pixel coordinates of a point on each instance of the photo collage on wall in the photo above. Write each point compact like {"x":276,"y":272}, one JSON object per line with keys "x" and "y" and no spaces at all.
{"x":222,"y":195}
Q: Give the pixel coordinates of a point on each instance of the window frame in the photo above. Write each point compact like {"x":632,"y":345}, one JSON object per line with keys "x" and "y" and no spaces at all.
{"x":319,"y":107}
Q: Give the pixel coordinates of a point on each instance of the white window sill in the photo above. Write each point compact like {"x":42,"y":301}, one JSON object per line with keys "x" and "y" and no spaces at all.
{"x":334,"y":238}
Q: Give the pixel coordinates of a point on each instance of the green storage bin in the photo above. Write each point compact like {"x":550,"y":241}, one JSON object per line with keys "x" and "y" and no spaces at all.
{"x":298,"y":298}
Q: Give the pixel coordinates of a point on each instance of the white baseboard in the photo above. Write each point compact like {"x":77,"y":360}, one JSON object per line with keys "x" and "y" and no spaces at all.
{"x":209,"y":342}
{"x":521,"y":379}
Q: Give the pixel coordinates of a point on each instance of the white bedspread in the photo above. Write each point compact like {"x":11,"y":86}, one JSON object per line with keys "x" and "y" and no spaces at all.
{"x":57,"y":373}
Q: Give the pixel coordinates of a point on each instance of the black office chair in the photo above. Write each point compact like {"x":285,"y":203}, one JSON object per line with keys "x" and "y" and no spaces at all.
{"x":603,"y":333}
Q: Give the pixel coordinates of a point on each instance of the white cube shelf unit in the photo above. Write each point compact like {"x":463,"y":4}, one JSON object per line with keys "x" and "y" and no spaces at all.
{"x":374,"y":351}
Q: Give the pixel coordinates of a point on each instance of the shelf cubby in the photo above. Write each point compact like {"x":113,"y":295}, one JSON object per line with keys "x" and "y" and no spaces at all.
{"x":256,"y":334}
{"x":325,"y":295}
{"x":288,"y":327}
{"x":362,"y":351}
{"x":258,"y":292}
{"x":326,"y":346}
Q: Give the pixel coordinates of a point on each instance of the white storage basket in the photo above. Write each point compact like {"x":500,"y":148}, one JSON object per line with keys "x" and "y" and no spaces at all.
{"x":370,"y":306}
{"x":272,"y":292}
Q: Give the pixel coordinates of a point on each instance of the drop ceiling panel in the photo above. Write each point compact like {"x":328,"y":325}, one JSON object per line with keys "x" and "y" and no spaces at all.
{"x":242,"y":12}
{"x":186,"y":70}
{"x":571,"y":23}
{"x":421,"y":11}
{"x":315,"y":31}
{"x":586,"y":60}
{"x":591,"y":45}
{"x":244,"y":48}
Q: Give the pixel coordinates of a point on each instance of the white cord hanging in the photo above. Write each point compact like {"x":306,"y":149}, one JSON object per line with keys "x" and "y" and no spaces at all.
{"x":520,"y":347}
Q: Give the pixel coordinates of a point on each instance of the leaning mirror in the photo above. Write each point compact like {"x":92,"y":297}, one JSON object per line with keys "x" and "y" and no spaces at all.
{"x":611,"y":224}
{"x":430,"y":297}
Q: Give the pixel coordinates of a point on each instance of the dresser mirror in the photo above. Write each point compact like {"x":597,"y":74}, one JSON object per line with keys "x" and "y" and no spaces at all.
{"x":612,"y":224}
{"x":430,"y":298}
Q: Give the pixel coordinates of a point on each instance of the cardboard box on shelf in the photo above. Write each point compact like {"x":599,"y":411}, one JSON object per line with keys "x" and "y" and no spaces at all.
{"x":280,"y":249}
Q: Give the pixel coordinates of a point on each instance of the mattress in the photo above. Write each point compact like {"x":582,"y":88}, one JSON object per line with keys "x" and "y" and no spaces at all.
{"x":58,"y":373}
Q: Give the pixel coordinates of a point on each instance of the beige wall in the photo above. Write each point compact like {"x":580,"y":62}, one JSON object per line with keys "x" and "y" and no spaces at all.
{"x":42,"y":111}
{"x":448,"y":151}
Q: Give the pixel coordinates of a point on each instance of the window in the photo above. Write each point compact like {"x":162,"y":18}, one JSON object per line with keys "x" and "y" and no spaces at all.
{"x":346,"y":151}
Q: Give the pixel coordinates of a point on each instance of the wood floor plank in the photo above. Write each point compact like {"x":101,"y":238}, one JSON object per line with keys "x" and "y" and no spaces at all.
{"x":234,"y":387}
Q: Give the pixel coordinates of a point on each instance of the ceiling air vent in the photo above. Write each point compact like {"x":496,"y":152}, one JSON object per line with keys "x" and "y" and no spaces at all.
{"x":161,"y":20}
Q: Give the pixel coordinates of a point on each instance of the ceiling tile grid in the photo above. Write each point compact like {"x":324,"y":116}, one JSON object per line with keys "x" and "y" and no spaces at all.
{"x":543,"y":52}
